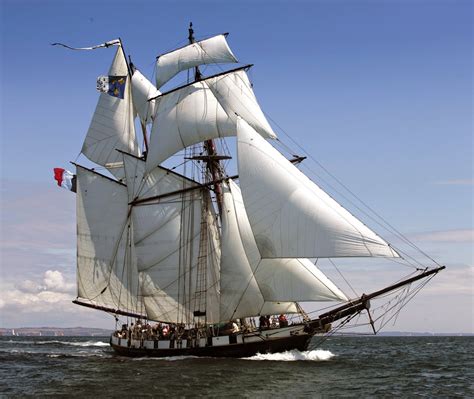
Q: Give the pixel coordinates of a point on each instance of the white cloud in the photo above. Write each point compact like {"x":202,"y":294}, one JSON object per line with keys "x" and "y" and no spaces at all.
{"x":38,"y":296}
{"x":54,"y":281}
{"x":30,"y":302}
{"x":29,"y":286}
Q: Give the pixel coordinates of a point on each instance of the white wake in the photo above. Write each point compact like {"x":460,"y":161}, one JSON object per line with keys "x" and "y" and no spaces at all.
{"x":72,"y":343}
{"x":294,"y":355}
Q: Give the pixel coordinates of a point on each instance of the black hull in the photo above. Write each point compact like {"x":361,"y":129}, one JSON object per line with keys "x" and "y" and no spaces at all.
{"x":273,"y":345}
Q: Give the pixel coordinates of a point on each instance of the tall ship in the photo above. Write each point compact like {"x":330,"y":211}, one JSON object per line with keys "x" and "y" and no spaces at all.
{"x":196,"y":232}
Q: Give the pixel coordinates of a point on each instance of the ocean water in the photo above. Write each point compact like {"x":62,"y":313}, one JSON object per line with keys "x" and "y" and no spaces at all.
{"x":364,"y":367}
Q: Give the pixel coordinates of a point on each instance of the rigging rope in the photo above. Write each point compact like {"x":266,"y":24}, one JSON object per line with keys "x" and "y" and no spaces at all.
{"x":347,"y":282}
{"x":390,"y":228}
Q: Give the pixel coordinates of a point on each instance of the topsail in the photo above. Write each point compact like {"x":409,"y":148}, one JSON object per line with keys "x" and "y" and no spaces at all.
{"x":112,"y":127}
{"x":210,"y":51}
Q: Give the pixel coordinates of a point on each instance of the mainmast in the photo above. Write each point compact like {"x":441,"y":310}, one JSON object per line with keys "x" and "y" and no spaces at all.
{"x":212,"y":159}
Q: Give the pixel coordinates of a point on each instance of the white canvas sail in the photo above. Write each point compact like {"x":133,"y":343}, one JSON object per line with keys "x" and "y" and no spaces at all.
{"x":112,"y":124}
{"x":240,"y":293}
{"x":106,"y":268}
{"x":235,"y":94}
{"x":167,"y":238}
{"x":143,"y":93}
{"x":282,"y":279}
{"x":270,"y":308}
{"x":210,"y":51}
{"x":295,"y":280}
{"x":291,"y":217}
{"x":185,"y":117}
{"x":170,"y":274}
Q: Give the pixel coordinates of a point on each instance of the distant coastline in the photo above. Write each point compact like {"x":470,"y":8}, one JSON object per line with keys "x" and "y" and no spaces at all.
{"x":409,"y":334}
{"x":101,"y":332}
{"x":54,"y":332}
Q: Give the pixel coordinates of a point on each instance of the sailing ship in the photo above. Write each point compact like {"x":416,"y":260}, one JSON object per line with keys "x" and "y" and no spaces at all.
{"x":198,"y":251}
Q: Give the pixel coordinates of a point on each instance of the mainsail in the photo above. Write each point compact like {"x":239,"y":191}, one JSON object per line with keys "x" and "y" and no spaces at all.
{"x":167,"y":237}
{"x":107,"y":272}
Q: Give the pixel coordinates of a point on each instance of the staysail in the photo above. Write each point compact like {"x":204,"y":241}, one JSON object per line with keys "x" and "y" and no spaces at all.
{"x":209,"y":51}
{"x":234,"y":92}
{"x":240,"y":293}
{"x":291,"y":217}
{"x":251,"y":285}
{"x":281,"y":279}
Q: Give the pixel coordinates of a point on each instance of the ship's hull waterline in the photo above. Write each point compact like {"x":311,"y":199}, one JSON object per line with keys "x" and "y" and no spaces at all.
{"x":238,"y":345}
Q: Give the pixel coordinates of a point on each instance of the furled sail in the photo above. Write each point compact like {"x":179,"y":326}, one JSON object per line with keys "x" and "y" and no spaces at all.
{"x":209,"y":51}
{"x":185,"y":117}
{"x":235,"y":94}
{"x":290,"y":216}
{"x":167,"y":243}
{"x":112,"y":125}
{"x":107,"y":273}
{"x":282,"y":279}
{"x":143,"y":93}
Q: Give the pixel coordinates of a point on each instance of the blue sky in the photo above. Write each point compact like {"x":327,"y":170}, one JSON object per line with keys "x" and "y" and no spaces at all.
{"x":379,"y":92}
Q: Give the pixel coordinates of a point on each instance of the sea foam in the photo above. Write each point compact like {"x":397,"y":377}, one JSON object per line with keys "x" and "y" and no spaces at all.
{"x":294,"y":355}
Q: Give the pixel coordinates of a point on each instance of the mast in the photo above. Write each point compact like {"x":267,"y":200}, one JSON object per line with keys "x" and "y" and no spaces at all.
{"x":131,"y":70}
{"x":214,"y":169}
{"x":212,"y":159}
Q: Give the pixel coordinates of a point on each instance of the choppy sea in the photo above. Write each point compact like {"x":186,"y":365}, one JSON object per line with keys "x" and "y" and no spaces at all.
{"x":363,"y":367}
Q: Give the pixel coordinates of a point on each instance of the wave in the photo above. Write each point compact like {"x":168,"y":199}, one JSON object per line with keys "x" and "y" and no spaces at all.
{"x":78,"y":355}
{"x":57,"y":342}
{"x":18,"y":353}
{"x":168,"y":358}
{"x":87,"y":343}
{"x":294,"y":355}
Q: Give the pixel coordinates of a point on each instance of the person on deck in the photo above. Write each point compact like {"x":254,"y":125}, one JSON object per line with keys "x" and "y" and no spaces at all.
{"x":262,"y":322}
{"x":283,"y":320}
{"x":235,"y":327}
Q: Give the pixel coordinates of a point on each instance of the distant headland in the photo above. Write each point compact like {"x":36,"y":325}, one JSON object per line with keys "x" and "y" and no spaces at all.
{"x":55,"y":332}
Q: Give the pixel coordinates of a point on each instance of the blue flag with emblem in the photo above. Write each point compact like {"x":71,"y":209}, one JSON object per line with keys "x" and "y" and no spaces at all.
{"x":112,"y":85}
{"x":117,"y":86}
